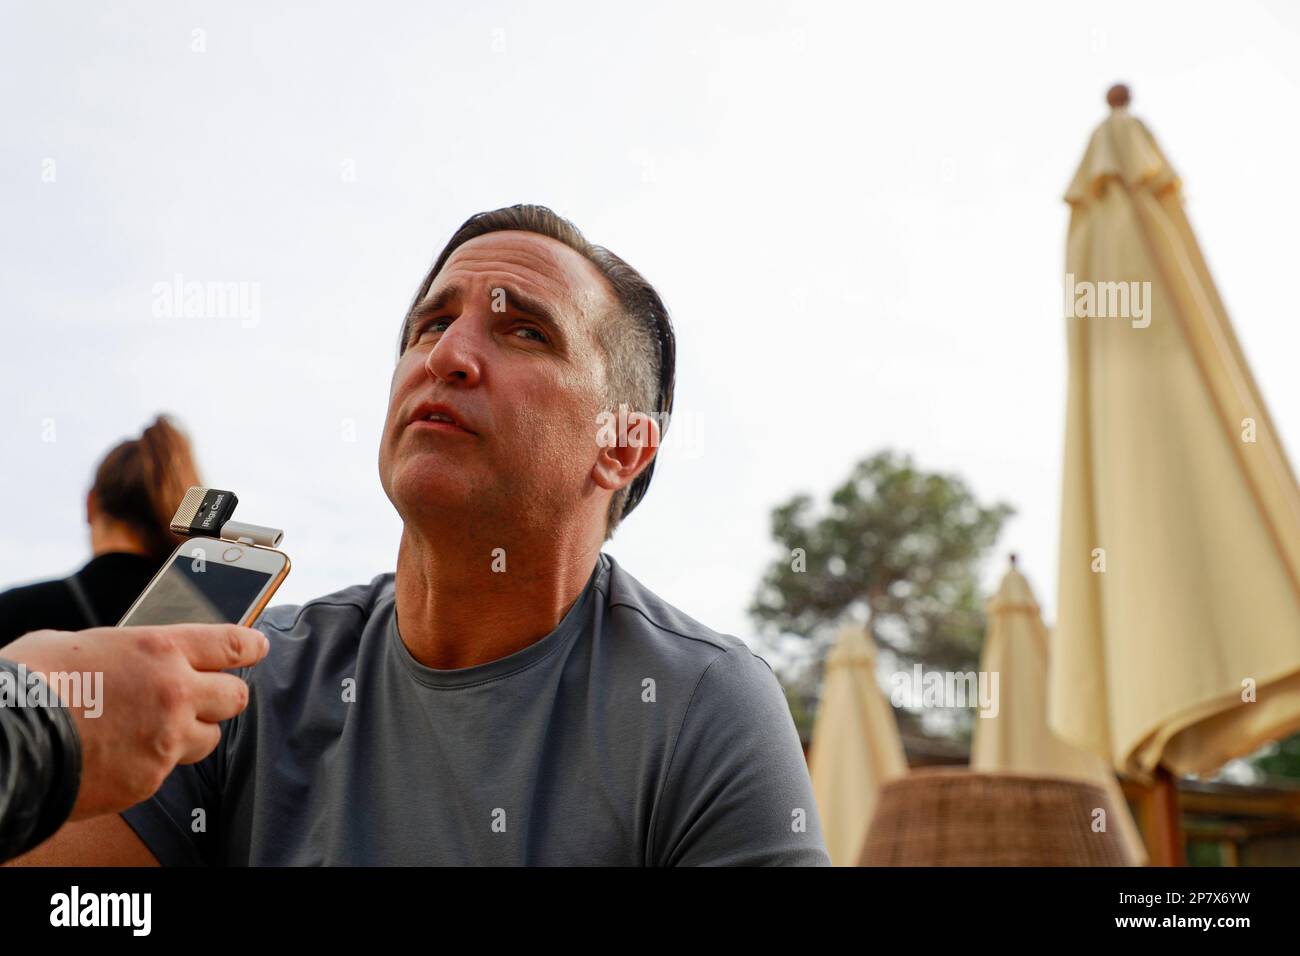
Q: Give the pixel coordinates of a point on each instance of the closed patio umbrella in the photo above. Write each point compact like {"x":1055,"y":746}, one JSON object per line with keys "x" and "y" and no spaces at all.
{"x":855,"y":748}
{"x":1177,"y":642}
{"x":1015,"y":739}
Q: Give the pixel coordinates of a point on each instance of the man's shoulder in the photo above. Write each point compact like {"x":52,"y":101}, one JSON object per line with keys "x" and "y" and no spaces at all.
{"x":340,"y":613}
{"x":665,"y":631}
{"x":733,"y":773}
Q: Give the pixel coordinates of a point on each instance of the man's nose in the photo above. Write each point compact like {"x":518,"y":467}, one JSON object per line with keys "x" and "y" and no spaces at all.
{"x":457,"y":356}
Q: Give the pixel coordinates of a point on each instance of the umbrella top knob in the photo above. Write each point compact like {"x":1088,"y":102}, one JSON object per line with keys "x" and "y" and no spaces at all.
{"x":1013,"y":559}
{"x":1117,"y":96}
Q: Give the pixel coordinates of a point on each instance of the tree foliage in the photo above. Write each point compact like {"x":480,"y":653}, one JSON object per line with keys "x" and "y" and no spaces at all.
{"x":897,"y":549}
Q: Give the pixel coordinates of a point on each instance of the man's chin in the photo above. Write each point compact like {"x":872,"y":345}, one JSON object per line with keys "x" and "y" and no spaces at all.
{"x":439,"y":496}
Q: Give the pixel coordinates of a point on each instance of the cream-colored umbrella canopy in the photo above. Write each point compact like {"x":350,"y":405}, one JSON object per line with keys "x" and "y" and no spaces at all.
{"x":1015,"y":737}
{"x":855,"y":747}
{"x":1178,"y":631}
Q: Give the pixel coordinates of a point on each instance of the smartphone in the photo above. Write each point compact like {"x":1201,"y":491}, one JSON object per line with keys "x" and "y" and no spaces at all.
{"x":208,"y":581}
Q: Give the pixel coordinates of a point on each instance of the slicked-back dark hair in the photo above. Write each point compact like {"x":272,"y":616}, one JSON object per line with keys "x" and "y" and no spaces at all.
{"x":638,"y":341}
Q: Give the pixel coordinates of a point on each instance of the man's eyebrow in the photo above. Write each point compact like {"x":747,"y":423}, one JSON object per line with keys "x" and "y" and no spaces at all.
{"x":515,"y":299}
{"x":525,"y":303}
{"x":445,"y":297}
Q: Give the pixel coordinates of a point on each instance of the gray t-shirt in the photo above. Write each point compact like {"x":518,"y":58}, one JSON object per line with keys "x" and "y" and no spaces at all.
{"x":631,"y":735}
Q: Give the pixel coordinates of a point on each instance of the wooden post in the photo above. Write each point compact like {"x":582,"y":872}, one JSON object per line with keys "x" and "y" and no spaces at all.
{"x":1165,"y":831}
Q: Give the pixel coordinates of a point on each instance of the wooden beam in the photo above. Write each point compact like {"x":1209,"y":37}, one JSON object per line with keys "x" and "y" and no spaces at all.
{"x":1165,"y":832}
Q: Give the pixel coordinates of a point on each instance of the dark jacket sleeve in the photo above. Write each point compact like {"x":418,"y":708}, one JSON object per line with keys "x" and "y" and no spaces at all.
{"x":40,"y":765}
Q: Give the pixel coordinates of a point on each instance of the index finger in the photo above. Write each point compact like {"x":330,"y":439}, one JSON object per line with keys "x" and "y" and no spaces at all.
{"x":217,"y":647}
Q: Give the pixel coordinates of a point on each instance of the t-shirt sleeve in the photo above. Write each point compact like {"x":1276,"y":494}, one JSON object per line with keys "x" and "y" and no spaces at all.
{"x":737,"y":790}
{"x":169,"y":822}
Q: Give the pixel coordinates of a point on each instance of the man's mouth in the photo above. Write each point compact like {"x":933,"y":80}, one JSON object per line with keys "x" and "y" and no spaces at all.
{"x":439,"y":418}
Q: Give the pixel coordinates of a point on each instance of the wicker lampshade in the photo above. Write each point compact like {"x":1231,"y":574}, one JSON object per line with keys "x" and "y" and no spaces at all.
{"x":958,"y":818}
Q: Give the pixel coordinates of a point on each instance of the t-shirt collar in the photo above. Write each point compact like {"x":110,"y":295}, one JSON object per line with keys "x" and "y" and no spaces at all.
{"x":570,"y":625}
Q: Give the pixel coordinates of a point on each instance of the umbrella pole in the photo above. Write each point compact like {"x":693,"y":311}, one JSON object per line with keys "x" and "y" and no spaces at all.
{"x":1166,"y":833}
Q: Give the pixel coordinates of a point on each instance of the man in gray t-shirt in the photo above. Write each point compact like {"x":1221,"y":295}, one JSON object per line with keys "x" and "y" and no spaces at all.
{"x":630,"y":735}
{"x":509,"y":694}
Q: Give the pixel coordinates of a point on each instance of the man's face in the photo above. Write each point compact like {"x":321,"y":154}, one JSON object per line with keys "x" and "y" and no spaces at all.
{"x":505,"y":341}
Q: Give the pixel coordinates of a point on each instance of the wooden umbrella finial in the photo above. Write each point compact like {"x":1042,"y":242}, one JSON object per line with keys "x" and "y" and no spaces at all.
{"x":1118,"y":95}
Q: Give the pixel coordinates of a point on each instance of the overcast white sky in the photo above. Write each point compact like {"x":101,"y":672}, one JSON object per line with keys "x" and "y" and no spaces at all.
{"x":853,"y":212}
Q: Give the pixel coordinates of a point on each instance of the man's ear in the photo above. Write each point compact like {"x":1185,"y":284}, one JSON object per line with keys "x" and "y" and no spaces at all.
{"x":628,"y":443}
{"x":92,"y":506}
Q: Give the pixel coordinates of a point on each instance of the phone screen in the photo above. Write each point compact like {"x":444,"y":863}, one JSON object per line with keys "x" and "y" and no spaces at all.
{"x":217,"y":594}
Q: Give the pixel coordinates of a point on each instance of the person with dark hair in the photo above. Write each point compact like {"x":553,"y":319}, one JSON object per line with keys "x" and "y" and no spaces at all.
{"x":511,"y":695}
{"x":137,"y":488}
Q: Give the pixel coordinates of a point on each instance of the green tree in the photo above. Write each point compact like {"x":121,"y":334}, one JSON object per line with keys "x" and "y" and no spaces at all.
{"x":898,"y":550}
{"x":1279,"y":758}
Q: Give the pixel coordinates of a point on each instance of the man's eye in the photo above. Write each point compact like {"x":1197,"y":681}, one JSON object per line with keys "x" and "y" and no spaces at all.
{"x":528,"y":328}
{"x":430,"y":326}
